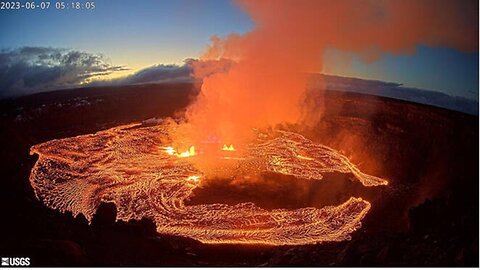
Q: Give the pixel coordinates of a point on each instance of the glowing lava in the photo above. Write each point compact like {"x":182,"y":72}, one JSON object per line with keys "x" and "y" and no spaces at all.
{"x":131,"y":167}
{"x":228,"y":148}
{"x":189,"y":153}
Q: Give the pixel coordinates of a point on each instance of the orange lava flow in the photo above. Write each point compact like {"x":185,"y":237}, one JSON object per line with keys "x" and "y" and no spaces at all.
{"x":133,"y":167}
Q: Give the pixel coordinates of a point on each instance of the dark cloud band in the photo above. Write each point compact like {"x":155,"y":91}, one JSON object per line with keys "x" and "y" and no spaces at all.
{"x":29,"y":70}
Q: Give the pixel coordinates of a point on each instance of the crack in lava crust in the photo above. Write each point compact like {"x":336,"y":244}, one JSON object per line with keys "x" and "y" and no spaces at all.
{"x":127,"y":166}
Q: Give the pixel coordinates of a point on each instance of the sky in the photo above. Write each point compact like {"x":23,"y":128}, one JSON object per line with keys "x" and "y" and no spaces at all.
{"x":129,"y":32}
{"x":139,"y":34}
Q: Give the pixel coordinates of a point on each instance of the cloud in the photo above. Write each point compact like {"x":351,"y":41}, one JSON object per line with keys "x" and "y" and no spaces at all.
{"x":156,"y":74}
{"x":190,"y":71}
{"x":31,"y":70}
{"x":28,"y":70}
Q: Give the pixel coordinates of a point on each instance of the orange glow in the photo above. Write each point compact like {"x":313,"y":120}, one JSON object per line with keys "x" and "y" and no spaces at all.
{"x":194,"y":178}
{"x":233,"y":158}
{"x":265,"y":83}
{"x":76,"y":174}
{"x":172,"y":152}
{"x":228,"y":148}
{"x":302,"y":157}
{"x":190,"y":152}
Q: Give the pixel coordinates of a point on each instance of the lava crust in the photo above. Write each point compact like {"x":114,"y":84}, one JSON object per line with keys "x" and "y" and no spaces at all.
{"x":127,"y":165}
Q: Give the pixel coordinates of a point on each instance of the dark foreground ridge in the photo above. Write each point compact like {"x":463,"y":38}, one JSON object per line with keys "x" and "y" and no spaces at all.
{"x":427,"y":216}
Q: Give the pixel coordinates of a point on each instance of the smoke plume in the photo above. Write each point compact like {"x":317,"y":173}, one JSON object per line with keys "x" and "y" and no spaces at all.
{"x":266,"y":84}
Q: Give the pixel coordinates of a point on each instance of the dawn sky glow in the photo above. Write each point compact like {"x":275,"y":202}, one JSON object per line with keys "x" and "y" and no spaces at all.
{"x":141,"y":34}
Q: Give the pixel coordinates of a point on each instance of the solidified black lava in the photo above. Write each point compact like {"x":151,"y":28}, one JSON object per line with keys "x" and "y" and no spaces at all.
{"x":430,"y":156}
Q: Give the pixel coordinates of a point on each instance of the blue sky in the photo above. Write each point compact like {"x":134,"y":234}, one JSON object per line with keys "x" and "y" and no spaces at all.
{"x":139,"y":34}
{"x":133,"y":33}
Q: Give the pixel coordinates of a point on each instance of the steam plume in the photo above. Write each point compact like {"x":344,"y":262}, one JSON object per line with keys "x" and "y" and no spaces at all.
{"x":266,"y":84}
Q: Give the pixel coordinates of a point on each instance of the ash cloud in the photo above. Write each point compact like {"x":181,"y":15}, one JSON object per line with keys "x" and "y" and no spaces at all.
{"x":29,"y":70}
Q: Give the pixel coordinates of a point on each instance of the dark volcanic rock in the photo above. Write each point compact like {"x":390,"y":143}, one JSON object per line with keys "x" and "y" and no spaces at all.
{"x":426,"y":216}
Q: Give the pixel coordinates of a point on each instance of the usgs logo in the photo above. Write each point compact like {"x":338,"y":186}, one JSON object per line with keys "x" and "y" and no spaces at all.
{"x":15,"y":261}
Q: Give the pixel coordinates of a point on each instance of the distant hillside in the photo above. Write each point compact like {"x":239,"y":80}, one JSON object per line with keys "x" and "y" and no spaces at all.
{"x":182,"y":75}
{"x":393,"y":90}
